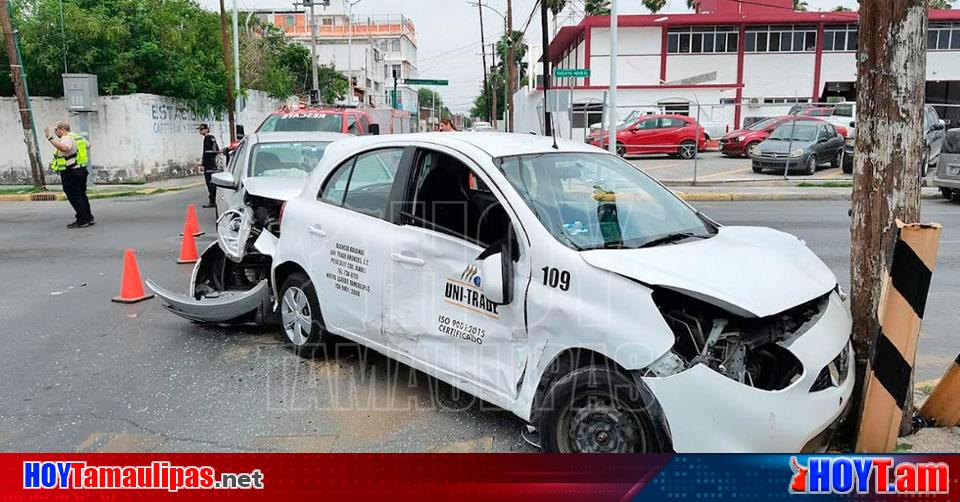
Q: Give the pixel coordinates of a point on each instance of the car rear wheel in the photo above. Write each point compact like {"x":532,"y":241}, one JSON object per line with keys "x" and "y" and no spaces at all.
{"x":621,"y":149}
{"x":300,"y":315}
{"x":687,"y":150}
{"x":595,"y":409}
{"x":811,"y":165}
{"x":836,"y":160}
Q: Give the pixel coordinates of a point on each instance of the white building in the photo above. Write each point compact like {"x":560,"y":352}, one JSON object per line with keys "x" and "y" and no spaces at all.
{"x":368,"y":49}
{"x":739,"y":60}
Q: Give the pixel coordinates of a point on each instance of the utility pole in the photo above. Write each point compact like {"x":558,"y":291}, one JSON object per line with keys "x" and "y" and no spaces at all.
{"x":315,"y":92}
{"x":350,"y":51}
{"x":23,"y":95}
{"x":483,"y":51}
{"x":891,"y":74}
{"x":511,"y":72}
{"x":236,"y":49}
{"x":493,"y":91}
{"x":545,"y":39}
{"x":225,"y":39}
{"x":614,"y":54}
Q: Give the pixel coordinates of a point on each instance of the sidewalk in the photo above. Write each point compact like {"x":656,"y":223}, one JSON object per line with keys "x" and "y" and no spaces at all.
{"x":11,"y":193}
{"x":727,"y":193}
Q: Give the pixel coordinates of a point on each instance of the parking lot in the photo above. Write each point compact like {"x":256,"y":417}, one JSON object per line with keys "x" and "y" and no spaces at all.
{"x":714,"y":167}
{"x":85,"y":374}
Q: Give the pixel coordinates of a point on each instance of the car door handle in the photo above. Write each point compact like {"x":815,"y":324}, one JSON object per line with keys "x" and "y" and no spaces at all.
{"x":317,"y":230}
{"x":409,"y":260}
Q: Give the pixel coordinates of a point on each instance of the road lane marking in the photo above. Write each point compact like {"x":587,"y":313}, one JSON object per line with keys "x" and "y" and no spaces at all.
{"x":744,"y":170}
{"x":321,"y":443}
{"x":120,"y":443}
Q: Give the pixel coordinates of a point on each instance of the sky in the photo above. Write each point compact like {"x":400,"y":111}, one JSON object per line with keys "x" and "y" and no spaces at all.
{"x":448,"y":32}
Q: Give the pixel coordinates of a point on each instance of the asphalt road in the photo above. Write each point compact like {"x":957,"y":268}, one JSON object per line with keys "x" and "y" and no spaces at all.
{"x":83,"y":374}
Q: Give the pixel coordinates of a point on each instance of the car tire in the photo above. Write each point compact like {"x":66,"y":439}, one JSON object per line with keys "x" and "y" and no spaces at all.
{"x":300,"y":318}
{"x":687,"y":150}
{"x":811,"y":166}
{"x":750,"y":145}
{"x":596,"y":409}
{"x":847,"y":166}
{"x":622,"y":150}
{"x":756,"y":168}
{"x":948,"y":193}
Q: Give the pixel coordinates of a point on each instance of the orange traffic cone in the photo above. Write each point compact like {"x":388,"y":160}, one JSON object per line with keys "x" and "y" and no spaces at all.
{"x":190,"y":221}
{"x":188,"y":247}
{"x":131,"y":286}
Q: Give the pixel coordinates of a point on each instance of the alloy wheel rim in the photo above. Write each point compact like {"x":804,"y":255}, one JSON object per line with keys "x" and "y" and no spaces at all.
{"x":686,"y":151}
{"x":296,"y":316}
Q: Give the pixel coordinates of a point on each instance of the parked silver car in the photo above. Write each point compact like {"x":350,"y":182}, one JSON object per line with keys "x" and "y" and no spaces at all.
{"x":947,"y":176}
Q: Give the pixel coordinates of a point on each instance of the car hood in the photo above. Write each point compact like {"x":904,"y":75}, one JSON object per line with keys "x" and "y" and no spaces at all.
{"x":738,"y":132}
{"x":282,"y":189}
{"x":778,"y":146}
{"x":749,"y":271}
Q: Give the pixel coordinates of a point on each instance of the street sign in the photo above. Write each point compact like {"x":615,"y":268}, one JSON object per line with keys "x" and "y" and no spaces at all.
{"x":425,"y":81}
{"x":572,"y":72}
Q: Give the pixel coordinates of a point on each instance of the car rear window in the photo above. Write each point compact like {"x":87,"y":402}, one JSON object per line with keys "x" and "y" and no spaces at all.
{"x":303,"y":122}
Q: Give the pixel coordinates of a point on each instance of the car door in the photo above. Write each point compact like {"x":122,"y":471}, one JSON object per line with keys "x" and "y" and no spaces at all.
{"x":934,"y":132}
{"x":349,"y":240}
{"x":641,"y":136}
{"x":670,"y":133}
{"x":434,"y":309}
{"x":237,"y":167}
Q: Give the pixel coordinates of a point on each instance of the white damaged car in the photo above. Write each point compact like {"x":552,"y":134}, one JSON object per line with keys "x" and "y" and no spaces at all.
{"x":560,"y":282}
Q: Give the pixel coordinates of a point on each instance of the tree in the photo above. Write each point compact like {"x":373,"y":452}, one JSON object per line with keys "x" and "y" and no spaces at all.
{"x":841,"y":8}
{"x":268,"y":62}
{"x":556,"y":6}
{"x":498,"y":79}
{"x":597,"y":7}
{"x":333,"y":85}
{"x":800,"y":5}
{"x":654,"y":5}
{"x":941,"y":4}
{"x":426,"y":97}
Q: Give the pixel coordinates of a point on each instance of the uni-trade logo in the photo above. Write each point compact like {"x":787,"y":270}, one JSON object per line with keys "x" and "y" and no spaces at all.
{"x":881,"y":475}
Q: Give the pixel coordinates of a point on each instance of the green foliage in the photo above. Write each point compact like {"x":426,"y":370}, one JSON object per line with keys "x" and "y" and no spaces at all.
{"x":426,"y":98}
{"x":800,"y":5}
{"x":654,"y":5}
{"x":941,"y":4}
{"x":555,"y":6}
{"x":597,"y":7}
{"x":841,"y":8}
{"x":268,"y":62}
{"x":332,"y":84}
{"x":165,"y":47}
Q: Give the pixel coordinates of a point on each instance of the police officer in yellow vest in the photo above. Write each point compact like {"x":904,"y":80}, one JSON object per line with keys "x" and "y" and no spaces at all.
{"x":70,"y":160}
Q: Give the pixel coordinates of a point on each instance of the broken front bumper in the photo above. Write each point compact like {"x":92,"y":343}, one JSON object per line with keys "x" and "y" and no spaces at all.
{"x":708,"y":412}
{"x":210,"y":300}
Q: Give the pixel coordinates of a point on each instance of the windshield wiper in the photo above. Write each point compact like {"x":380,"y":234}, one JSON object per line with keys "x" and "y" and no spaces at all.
{"x":672,"y":237}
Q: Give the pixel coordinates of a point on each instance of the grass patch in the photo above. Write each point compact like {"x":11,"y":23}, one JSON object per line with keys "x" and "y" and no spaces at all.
{"x":826,"y":184}
{"x":18,"y":190}
{"x":903,"y":447}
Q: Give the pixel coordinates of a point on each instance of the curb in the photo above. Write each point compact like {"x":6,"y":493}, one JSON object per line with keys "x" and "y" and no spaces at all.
{"x":59,"y":196}
{"x":758,"y":197}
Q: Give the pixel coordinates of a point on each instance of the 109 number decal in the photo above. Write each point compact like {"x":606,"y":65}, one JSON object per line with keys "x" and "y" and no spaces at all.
{"x":555,"y":278}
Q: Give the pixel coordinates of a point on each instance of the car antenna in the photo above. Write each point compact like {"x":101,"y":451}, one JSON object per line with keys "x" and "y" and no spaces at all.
{"x":553,"y":132}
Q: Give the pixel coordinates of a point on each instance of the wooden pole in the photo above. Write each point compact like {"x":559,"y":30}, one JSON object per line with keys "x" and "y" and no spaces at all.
{"x":891,"y":80}
{"x":545,"y":39}
{"x":483,"y":51}
{"x":228,"y":79}
{"x":23,"y":96}
{"x":511,"y":70}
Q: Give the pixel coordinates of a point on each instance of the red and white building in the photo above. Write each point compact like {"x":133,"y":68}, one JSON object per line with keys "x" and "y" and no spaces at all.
{"x":738,"y":59}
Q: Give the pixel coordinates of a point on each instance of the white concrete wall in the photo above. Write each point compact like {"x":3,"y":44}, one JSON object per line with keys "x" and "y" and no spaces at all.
{"x":778,"y":75}
{"x":838,"y":67}
{"x":681,"y":66}
{"x":134,"y":138}
{"x":639,"y":56}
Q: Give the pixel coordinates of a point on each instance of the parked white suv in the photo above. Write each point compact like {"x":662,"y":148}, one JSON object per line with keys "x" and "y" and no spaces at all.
{"x":562,"y":283}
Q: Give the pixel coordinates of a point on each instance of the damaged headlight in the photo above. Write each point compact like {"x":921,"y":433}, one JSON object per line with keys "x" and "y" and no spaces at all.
{"x":233,"y":230}
{"x":750,"y":351}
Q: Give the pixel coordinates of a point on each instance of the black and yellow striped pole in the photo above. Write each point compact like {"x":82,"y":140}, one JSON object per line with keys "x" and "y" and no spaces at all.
{"x":902,"y":302}
{"x":943,"y":405}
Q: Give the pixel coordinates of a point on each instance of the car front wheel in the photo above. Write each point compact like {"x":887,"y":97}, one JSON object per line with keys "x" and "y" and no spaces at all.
{"x":300,"y":315}
{"x":595,"y":409}
{"x":811,"y":165}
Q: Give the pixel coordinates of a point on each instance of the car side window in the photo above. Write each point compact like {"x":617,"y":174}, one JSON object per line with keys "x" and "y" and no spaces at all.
{"x":352,"y":124}
{"x":448,"y":197}
{"x":363,"y":183}
{"x":364,"y":124}
{"x":671,"y":123}
{"x":236,"y":161}
{"x":648,"y":124}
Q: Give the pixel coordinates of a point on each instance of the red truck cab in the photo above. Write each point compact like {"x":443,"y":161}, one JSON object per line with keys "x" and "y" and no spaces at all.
{"x":307,"y":119}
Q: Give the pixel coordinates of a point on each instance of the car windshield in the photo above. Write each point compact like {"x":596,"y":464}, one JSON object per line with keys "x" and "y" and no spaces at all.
{"x":763,"y":124}
{"x":302,"y":122}
{"x":598,"y":201}
{"x":293,"y":159}
{"x":796,"y":131}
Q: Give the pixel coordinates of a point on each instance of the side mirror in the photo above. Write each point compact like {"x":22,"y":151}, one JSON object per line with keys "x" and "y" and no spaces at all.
{"x":373,"y":129}
{"x":939,"y":126}
{"x":496,"y":273}
{"x":224,"y":180}
{"x":240,"y":132}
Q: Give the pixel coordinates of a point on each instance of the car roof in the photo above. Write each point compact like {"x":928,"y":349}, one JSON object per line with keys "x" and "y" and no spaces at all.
{"x":315,"y":109}
{"x":281,"y":137}
{"x":494,"y":144}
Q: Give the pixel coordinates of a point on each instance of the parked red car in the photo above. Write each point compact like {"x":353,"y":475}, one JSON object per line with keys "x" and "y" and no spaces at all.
{"x":670,"y":134}
{"x":739,"y":142}
{"x":305,"y":119}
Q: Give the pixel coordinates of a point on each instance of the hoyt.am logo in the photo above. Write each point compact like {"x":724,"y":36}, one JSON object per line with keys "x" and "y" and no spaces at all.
{"x":879,"y":475}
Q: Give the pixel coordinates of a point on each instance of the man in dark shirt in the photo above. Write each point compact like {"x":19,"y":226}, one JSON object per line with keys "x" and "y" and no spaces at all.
{"x":209,"y":162}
